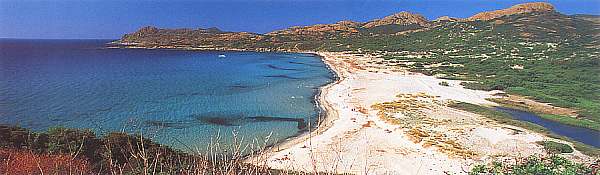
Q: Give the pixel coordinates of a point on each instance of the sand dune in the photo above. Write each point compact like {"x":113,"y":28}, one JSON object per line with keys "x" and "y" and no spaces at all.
{"x":414,"y":133}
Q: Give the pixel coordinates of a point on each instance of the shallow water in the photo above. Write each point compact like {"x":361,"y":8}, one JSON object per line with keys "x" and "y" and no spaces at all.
{"x":180,"y":98}
{"x":583,"y":135}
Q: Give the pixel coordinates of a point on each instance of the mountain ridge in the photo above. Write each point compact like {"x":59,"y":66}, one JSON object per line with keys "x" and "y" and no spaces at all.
{"x":313,"y":37}
{"x":401,"y":18}
{"x":516,"y":9}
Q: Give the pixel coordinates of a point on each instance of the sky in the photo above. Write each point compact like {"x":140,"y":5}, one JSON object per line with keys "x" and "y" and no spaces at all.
{"x":110,"y":19}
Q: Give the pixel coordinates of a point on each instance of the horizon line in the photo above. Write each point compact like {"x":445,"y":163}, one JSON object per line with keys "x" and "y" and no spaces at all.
{"x":2,"y":38}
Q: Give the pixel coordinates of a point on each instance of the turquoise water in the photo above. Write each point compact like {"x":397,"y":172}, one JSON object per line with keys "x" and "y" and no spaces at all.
{"x":179,"y":98}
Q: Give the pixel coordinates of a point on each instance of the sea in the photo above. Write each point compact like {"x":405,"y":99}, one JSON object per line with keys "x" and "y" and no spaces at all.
{"x":184,"y":99}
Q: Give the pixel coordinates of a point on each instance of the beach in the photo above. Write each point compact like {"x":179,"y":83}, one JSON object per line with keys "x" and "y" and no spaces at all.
{"x":386,"y":120}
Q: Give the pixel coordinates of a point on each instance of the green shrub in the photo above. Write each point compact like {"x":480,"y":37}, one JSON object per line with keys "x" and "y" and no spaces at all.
{"x":17,"y":137}
{"x":113,"y":150}
{"x":533,"y":165}
{"x":121,"y":153}
{"x":475,"y":86}
{"x":71,"y":141}
{"x":555,"y":147}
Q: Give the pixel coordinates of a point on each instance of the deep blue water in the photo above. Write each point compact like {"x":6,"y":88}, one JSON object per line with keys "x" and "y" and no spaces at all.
{"x":180,"y":98}
{"x":583,"y":135}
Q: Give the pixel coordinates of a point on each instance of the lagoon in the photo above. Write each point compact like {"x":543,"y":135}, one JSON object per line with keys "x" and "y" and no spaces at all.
{"x":583,"y":135}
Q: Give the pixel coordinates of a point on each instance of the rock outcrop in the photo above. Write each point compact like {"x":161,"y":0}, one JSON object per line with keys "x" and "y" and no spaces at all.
{"x":402,"y":18}
{"x":516,"y":9}
{"x":447,"y":19}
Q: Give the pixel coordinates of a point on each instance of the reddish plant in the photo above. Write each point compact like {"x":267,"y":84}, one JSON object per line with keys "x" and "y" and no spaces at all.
{"x":15,"y":161}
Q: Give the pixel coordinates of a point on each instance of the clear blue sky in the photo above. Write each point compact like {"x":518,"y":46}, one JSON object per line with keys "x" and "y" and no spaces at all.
{"x":112,"y":18}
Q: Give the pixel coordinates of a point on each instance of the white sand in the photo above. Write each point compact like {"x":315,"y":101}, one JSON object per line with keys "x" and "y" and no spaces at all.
{"x":357,"y":142}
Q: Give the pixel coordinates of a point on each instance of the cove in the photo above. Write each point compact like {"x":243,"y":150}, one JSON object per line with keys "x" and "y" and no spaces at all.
{"x":178,"y":98}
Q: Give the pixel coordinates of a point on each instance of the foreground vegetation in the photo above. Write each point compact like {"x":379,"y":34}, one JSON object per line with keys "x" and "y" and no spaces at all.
{"x":553,"y":164}
{"x":536,"y":165}
{"x":73,"y":151}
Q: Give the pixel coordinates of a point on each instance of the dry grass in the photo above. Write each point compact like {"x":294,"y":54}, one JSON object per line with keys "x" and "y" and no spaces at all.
{"x":121,"y":153}
{"x":410,"y":111}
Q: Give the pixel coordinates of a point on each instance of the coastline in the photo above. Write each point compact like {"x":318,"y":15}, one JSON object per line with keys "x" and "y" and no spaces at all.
{"x":279,"y":155}
{"x":326,"y":116}
{"x":276,"y":87}
{"x":354,"y":138}
{"x":562,"y":115}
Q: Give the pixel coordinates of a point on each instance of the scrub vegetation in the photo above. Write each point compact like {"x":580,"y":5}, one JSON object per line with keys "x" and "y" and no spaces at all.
{"x":534,"y":165}
{"x":72,"y":151}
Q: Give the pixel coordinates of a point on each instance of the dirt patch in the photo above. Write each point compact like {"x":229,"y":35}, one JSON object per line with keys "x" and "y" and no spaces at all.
{"x":368,"y":124}
{"x":353,"y":65}
{"x":362,"y":110}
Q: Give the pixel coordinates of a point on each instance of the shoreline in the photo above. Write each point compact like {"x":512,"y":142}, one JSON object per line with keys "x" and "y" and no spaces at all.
{"x":325,"y":117}
{"x":352,"y":132}
{"x":275,"y":155}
